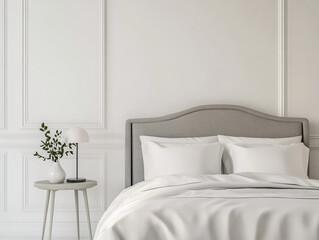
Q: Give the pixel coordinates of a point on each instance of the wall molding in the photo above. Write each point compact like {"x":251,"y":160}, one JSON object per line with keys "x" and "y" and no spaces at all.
{"x":314,"y":142}
{"x":282,"y":79}
{"x":281,"y":60}
{"x":32,"y":230}
{"x":3,"y":182}
{"x":2,"y":66}
{"x":26,"y":123}
{"x":28,"y":140}
{"x":65,"y":207}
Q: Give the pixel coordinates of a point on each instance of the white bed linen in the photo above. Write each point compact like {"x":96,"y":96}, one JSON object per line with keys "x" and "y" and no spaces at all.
{"x":226,"y":140}
{"x":237,"y":206}
{"x":289,"y":159}
{"x":172,"y":159}
{"x":161,"y":140}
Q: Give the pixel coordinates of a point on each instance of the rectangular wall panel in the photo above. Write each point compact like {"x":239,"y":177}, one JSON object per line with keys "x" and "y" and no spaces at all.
{"x":91,"y":166}
{"x":2,"y":64}
{"x":3,"y":182}
{"x":63,"y":47}
{"x":166,"y":56}
{"x":302,"y":61}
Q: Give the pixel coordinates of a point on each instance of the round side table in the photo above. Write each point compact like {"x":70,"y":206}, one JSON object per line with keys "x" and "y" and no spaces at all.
{"x":76,"y":187}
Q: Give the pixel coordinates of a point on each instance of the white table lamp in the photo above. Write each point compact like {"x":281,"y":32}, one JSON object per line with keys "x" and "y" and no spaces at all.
{"x":77,"y":135}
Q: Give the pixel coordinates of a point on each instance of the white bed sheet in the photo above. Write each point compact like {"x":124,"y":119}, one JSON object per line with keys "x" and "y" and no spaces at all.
{"x":238,"y":206}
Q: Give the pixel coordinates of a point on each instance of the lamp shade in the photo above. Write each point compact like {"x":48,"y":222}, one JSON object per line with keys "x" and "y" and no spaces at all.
{"x":77,"y":135}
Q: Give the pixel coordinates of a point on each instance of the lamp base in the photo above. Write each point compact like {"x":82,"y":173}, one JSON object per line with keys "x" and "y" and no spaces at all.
{"x":75,"y":180}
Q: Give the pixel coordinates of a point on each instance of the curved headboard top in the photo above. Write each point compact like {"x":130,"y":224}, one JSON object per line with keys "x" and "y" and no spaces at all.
{"x":207,"y":120}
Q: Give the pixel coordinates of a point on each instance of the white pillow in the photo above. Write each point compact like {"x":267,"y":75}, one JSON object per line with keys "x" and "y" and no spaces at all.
{"x":225,"y":140}
{"x":280,"y":159}
{"x":189,"y":140}
{"x":170,"y":159}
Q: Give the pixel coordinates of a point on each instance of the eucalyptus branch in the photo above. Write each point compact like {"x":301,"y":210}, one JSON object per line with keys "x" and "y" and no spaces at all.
{"x":54,"y":145}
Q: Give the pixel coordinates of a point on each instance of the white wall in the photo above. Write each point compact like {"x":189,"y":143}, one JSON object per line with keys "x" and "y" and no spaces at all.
{"x":96,"y":63}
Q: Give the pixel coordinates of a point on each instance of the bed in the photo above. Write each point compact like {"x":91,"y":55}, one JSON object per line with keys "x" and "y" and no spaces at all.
{"x":244,"y":205}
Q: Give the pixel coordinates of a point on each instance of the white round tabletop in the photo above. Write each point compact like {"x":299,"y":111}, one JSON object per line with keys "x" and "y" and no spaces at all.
{"x":65,"y":185}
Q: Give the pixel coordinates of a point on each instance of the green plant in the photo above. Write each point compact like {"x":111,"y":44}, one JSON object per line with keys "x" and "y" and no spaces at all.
{"x":55,"y":146}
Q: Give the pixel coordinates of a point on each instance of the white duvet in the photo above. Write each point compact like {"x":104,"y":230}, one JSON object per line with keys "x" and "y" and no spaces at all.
{"x":237,"y":206}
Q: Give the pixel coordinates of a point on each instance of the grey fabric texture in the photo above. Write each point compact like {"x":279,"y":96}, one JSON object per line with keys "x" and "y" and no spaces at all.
{"x":208,"y":120}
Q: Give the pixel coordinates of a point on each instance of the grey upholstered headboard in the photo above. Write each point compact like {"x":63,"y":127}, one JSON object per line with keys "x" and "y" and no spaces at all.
{"x":208,"y":120}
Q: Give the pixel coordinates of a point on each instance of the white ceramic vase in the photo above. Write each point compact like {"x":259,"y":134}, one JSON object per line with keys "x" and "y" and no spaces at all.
{"x":56,"y":173}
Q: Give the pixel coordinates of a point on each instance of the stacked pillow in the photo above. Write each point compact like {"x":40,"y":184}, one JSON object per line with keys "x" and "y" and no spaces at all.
{"x":204,"y":155}
{"x":228,"y":141}
{"x":165,"y":156}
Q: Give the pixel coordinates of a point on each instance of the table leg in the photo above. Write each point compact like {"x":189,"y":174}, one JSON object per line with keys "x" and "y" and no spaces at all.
{"x":76,"y":197}
{"x":87,"y":212}
{"x":52,"y":211}
{"x":45,"y":212}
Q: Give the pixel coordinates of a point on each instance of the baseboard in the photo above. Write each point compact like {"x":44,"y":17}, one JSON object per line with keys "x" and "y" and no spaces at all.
{"x":33,"y":231}
{"x":55,"y":238}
